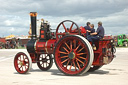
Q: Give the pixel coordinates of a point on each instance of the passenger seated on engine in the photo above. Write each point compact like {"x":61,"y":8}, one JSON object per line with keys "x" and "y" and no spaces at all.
{"x":96,"y":36}
{"x":92,"y":28}
{"x":91,"y":31}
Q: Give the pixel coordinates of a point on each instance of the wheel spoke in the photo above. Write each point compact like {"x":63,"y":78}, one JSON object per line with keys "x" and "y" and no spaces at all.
{"x":82,"y":58}
{"x":42,"y":64}
{"x":81,"y":53}
{"x":23,"y":57}
{"x":77,"y":47}
{"x":64,"y":27}
{"x":22,"y":68}
{"x":74,"y":65}
{"x":67,"y":45}
{"x":46,"y":64}
{"x":67,"y":63}
{"x":25,"y":67}
{"x":63,"y":52}
{"x":80,"y":61}
{"x":71,"y":45}
{"x":71,"y":26}
{"x":70,"y":67}
{"x":78,"y":64}
{"x":66,"y":49}
{"x":74,"y":41}
{"x":64,"y":56}
{"x":65,"y":60}
{"x":81,"y":49}
{"x":20,"y":58}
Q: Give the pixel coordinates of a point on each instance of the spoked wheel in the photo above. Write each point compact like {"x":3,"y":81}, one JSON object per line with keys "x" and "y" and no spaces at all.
{"x":44,"y":62}
{"x":109,"y":50}
{"x":67,"y":27}
{"x":109,"y":53}
{"x":22,"y":63}
{"x":73,"y":55}
{"x":125,"y":44}
{"x":93,"y":68}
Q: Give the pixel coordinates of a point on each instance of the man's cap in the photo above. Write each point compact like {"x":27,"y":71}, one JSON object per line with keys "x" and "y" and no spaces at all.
{"x":100,"y":23}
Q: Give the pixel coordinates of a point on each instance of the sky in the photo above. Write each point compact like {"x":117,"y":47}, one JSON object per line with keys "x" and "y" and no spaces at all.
{"x":15,"y":19}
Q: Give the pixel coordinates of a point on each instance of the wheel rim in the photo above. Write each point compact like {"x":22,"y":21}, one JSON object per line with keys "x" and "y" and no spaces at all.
{"x":44,"y":61}
{"x":72,"y":55}
{"x":21,"y":63}
{"x":67,"y":31}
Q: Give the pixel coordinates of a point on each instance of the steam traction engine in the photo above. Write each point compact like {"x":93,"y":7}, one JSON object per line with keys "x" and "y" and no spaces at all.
{"x":72,"y":53}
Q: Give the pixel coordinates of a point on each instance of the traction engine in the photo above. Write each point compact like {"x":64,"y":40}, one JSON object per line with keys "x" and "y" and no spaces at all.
{"x":71,"y":51}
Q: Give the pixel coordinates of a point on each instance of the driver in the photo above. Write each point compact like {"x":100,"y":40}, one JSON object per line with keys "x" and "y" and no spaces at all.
{"x":87,"y":28}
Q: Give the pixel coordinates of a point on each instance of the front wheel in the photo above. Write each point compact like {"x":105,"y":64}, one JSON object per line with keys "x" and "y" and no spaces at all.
{"x":22,"y":63}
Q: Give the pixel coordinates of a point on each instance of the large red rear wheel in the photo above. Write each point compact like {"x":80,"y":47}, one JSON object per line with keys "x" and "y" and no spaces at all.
{"x":73,"y":55}
{"x":22,"y":63}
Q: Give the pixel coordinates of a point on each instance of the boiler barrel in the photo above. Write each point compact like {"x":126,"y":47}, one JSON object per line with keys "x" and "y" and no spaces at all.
{"x":46,"y":47}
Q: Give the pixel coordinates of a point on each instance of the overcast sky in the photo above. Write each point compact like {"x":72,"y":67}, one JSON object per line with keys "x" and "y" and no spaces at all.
{"x":15,"y":19}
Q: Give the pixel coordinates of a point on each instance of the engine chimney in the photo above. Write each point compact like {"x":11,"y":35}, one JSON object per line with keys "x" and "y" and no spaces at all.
{"x":32,"y":41}
{"x":33,"y":24}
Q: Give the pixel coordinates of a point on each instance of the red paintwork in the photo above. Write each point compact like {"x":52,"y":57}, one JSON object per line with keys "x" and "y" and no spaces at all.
{"x":2,"y":40}
{"x":42,"y":47}
{"x":45,"y":46}
{"x":33,"y":57}
{"x":82,"y":29}
{"x":98,"y":55}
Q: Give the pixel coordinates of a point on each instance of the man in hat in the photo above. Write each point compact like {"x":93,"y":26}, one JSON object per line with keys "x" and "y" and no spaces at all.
{"x":99,"y":34}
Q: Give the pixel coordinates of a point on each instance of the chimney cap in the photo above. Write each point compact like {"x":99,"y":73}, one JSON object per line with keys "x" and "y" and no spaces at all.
{"x":33,"y":14}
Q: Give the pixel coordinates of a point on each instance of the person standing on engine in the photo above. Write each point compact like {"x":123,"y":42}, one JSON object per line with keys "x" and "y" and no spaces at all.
{"x":87,"y":28}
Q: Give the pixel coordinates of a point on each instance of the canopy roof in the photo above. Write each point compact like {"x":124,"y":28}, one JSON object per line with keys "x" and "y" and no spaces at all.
{"x":10,"y":36}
